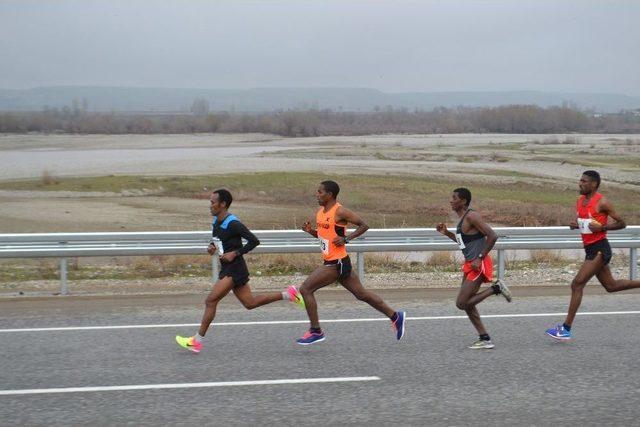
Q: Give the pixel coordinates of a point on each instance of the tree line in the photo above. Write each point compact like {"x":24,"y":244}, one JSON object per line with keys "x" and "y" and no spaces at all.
{"x":505,"y":119}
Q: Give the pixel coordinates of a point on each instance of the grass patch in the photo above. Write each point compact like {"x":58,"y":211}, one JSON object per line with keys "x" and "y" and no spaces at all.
{"x":511,"y":146}
{"x":548,"y":257}
{"x":441,"y":259}
{"x":384,"y":201}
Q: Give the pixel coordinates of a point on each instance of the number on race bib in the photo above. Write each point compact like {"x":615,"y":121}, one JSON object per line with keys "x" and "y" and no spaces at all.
{"x":324,"y":245}
{"x":218,"y":244}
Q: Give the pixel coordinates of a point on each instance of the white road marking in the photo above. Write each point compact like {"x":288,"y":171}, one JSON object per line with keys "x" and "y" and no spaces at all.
{"x":183,"y":385}
{"x":292,"y":322}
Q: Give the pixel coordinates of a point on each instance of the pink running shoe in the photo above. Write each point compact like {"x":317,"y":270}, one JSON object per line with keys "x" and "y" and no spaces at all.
{"x":295,"y":296}
{"x":189,"y":343}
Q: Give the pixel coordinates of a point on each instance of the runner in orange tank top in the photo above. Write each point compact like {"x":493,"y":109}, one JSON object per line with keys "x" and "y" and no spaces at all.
{"x":331,"y":230}
{"x":328,"y":230}
{"x":592,"y":214}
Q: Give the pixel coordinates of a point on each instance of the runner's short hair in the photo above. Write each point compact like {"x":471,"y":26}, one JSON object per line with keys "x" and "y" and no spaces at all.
{"x":595,"y":176}
{"x":224,"y":196}
{"x":464,"y":193}
{"x":331,"y":187}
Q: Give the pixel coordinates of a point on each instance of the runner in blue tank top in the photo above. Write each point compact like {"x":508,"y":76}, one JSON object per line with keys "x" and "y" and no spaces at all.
{"x":228,"y":232}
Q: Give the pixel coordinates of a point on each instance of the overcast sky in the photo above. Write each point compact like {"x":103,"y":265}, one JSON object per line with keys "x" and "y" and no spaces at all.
{"x":395,"y":46}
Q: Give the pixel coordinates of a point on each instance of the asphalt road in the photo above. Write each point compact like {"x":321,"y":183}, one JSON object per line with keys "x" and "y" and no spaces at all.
{"x":428,"y":378}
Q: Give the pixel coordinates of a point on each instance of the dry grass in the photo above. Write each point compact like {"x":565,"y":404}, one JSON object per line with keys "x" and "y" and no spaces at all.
{"x":47,"y":178}
{"x":165,"y":266}
{"x":384,"y":201}
{"x":495,"y":157}
{"x":628,"y":142}
{"x":547,"y":256}
{"x":282,"y":264}
{"x":47,"y":269}
{"x":441,"y":259}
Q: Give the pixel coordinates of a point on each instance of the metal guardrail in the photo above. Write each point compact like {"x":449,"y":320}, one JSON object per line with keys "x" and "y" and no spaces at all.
{"x":68,"y":245}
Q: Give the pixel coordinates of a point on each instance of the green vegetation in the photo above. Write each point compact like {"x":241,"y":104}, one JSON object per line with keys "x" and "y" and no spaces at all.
{"x":384,"y":201}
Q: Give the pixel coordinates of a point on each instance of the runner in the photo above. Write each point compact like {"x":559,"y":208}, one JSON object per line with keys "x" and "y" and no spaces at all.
{"x":331,"y":224}
{"x":227,"y":233}
{"x":593,"y":212}
{"x":476,"y":239}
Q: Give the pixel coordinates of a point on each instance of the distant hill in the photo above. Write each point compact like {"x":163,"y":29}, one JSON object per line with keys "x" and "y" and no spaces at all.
{"x":125,"y":99}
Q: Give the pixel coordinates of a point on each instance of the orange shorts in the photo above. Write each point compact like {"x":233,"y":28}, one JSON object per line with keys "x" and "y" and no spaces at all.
{"x":486,"y":270}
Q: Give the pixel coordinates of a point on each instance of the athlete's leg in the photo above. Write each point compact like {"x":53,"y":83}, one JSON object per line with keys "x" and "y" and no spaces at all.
{"x":353,"y":285}
{"x":467,"y":299}
{"x":321,"y":277}
{"x":588,"y":269}
{"x":476,"y":298}
{"x":613,"y":285}
{"x":219,"y":291}
{"x":250,"y":301}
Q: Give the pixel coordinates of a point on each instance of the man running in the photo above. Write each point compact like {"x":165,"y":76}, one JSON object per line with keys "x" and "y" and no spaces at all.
{"x":476,"y":239}
{"x":228,"y":233}
{"x":593,"y":212}
{"x":331,"y":225}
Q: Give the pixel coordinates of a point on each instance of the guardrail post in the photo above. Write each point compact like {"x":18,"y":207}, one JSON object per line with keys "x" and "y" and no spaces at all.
{"x":501,"y":264}
{"x":215,"y":268}
{"x":63,"y":277}
{"x":633,"y":263}
{"x":360,"y":260}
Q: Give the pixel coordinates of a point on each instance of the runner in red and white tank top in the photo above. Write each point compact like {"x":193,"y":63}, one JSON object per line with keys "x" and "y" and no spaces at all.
{"x":592,"y":219}
{"x":587,"y":212}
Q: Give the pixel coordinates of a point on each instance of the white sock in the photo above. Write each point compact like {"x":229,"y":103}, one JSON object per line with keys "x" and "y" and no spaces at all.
{"x":285,"y":295}
{"x":198,"y":338}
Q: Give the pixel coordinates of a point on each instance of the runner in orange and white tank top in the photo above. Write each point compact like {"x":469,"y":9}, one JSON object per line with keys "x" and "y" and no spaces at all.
{"x":331,"y":230}
{"x":328,"y":230}
{"x":593,"y":211}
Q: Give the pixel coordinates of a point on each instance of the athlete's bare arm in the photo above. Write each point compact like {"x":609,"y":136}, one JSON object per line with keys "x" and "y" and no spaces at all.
{"x":309,"y":229}
{"x":607,"y":208}
{"x":345,"y":216}
{"x":442,"y":229}
{"x":476,"y":221}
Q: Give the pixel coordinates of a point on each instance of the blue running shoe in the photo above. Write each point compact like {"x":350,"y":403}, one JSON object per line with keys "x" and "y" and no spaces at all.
{"x":310,"y":338}
{"x":559,"y":333}
{"x":398,"y":324}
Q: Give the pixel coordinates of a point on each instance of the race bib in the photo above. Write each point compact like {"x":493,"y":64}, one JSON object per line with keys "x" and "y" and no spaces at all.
{"x":324,"y":245}
{"x":460,"y":241}
{"x":218,"y":244}
{"x":583,"y":225}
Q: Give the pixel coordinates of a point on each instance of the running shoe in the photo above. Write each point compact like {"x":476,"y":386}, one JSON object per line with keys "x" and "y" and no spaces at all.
{"x":189,"y":343}
{"x":295,"y":296}
{"x":504,"y":290}
{"x":559,"y":333}
{"x":310,"y":338}
{"x":482,"y":345}
{"x":398,"y":324}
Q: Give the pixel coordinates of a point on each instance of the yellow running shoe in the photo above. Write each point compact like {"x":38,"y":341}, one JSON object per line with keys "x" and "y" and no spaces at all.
{"x":189,"y":343}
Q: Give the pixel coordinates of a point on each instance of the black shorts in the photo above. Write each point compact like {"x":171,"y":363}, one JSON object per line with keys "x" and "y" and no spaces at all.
{"x":343,"y":266}
{"x":236,"y":269}
{"x":601,"y":246}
